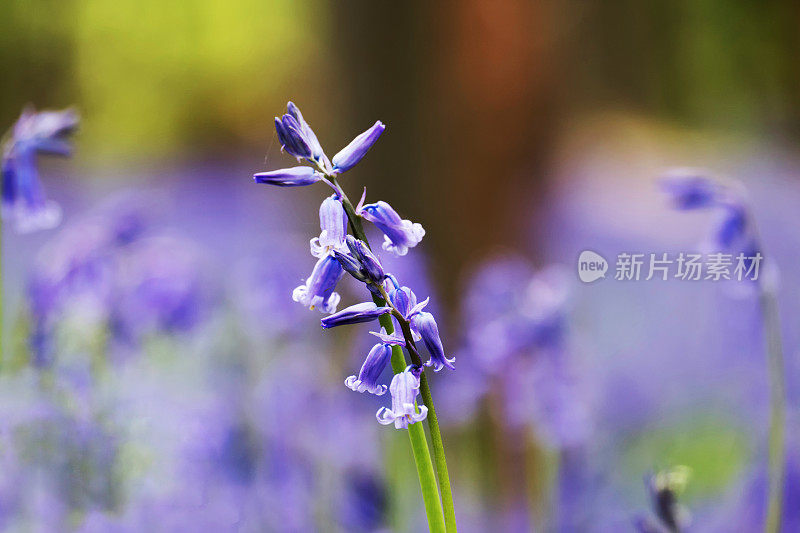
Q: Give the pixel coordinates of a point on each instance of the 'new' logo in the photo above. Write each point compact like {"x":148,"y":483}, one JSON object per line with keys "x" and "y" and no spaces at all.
{"x":591,"y":266}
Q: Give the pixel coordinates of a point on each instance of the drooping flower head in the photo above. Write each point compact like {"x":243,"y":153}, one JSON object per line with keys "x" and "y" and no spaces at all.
{"x":425,"y":326}
{"x":404,"y":390}
{"x":34,"y":133}
{"x":690,"y":189}
{"x":333,"y":228}
{"x":399,"y":234}
{"x":373,"y":366}
{"x":318,"y":290}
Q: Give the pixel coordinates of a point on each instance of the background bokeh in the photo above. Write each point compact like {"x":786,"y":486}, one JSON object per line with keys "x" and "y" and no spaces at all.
{"x":518,"y":133}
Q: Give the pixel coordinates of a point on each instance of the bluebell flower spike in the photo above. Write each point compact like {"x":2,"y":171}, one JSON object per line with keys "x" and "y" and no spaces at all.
{"x":404,"y":389}
{"x":355,"y":314}
{"x":289,"y":177}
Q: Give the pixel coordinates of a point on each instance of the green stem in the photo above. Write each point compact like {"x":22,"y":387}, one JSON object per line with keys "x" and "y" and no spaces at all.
{"x":436,"y":434}
{"x":416,"y":433}
{"x":439,"y":458}
{"x":422,"y":459}
{"x":777,"y":416}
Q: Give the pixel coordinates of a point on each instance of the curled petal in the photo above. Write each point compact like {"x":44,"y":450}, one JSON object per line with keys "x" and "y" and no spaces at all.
{"x":385,"y":416}
{"x":288,"y":177}
{"x":358,"y":147}
{"x":389,"y":339}
{"x":356,"y":385}
{"x":419,"y":307}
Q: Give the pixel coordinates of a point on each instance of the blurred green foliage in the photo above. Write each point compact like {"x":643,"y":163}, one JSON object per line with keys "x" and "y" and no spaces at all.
{"x":716,"y":453}
{"x":151,"y":75}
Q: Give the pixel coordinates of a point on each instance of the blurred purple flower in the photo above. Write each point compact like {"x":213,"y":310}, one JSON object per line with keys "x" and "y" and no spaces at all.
{"x":24,"y":200}
{"x":366,"y":502}
{"x":161,"y":287}
{"x":691,"y":189}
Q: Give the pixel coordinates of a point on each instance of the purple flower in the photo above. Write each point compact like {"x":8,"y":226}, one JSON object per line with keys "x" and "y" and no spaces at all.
{"x":310,"y":137}
{"x":404,"y":390}
{"x":317,"y":291}
{"x":333,"y":228}
{"x":292,"y":138}
{"x":358,"y":147}
{"x":374,"y":365}
{"x":732,"y":225}
{"x":160,"y":287}
{"x":289,"y":177}
{"x":405,"y":301}
{"x":399,"y":234}
{"x":355,"y":314}
{"x":690,"y":189}
{"x":24,"y":200}
{"x":370,"y":267}
{"x":425,"y":325}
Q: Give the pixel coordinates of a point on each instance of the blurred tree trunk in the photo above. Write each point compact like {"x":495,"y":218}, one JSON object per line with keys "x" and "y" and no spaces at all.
{"x":465,"y":91}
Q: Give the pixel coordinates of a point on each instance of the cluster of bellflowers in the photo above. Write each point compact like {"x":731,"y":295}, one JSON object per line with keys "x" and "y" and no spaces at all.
{"x":338,"y":252}
{"x":24,"y":201}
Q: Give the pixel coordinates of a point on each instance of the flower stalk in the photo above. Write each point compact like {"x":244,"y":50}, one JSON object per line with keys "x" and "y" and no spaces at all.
{"x":398,"y":365}
{"x":777,"y":415}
